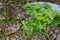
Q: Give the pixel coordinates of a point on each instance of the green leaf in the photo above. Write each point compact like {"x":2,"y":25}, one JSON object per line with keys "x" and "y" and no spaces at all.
{"x":38,"y":17}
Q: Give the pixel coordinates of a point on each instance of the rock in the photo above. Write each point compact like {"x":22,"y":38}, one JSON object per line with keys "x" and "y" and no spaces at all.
{"x":16,"y":11}
{"x":9,"y":27}
{"x":53,"y":32}
{"x":18,"y":36}
{"x":36,"y":36}
{"x":1,"y":11}
{"x":2,"y":37}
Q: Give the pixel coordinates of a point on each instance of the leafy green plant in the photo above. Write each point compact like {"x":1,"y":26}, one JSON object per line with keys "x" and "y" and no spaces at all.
{"x":38,"y":17}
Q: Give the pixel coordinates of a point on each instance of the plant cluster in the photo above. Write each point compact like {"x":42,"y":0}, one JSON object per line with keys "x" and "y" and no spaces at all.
{"x":38,"y":17}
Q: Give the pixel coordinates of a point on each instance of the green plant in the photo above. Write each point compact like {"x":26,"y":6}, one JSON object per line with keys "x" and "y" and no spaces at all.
{"x":38,"y":17}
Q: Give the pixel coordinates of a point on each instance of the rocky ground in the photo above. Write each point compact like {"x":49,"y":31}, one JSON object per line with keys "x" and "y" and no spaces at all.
{"x":53,"y":32}
{"x":8,"y":29}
